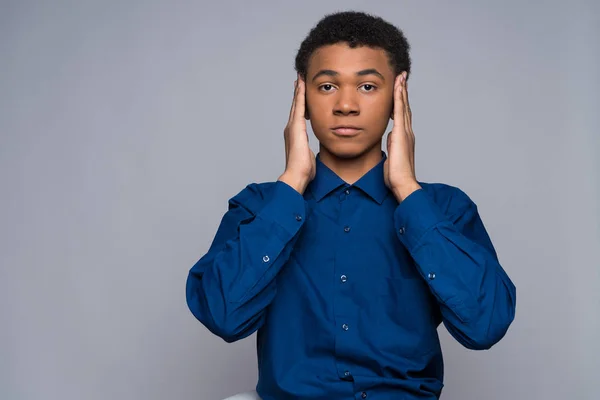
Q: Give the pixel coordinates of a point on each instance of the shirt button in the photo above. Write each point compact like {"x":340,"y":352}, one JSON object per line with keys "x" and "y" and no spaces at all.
{"x":347,"y":229}
{"x":363,"y":395}
{"x":431,"y":276}
{"x":266,"y":259}
{"x":401,"y":231}
{"x":346,"y":373}
{"x":347,"y":192}
{"x":298,"y":217}
{"x":343,"y":278}
{"x":345,"y":327}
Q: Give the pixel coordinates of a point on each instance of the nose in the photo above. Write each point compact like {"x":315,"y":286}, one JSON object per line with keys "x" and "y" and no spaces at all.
{"x":347,"y":103}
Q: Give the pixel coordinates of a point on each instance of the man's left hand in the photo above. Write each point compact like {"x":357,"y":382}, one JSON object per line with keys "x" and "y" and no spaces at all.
{"x":399,"y":167}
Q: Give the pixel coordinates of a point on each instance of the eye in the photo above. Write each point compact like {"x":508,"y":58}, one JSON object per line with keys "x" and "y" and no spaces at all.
{"x":326,"y":86}
{"x":368,"y":87}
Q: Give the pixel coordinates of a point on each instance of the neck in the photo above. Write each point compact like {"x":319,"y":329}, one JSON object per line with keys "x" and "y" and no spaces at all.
{"x":353,"y":168}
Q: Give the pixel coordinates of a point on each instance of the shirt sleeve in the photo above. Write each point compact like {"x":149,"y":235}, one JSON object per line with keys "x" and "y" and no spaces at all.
{"x":454,"y":254}
{"x":229,"y":288}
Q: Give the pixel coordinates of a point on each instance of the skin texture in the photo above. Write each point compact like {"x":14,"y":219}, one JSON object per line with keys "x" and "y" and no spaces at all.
{"x":351,"y":86}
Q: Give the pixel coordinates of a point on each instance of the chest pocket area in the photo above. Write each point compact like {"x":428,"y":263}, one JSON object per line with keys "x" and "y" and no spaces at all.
{"x":404,"y":316}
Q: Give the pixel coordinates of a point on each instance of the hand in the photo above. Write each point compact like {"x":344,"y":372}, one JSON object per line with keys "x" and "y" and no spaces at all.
{"x":300,"y":163}
{"x":399,"y":167}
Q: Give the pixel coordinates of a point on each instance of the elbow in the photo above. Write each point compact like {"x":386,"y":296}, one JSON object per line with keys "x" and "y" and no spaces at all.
{"x":495,"y":325}
{"x":221,"y":320}
{"x":490,"y":338}
{"x":231,"y":329}
{"x":219,"y":326}
{"x":486,"y":340}
{"x":228,"y":333}
{"x":502,"y":318}
{"x":487,"y":335}
{"x":477,"y":338}
{"x":483,"y":331}
{"x":216,"y":323}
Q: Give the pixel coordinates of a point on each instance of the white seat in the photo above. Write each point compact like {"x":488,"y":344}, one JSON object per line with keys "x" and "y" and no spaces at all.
{"x":244,"y":396}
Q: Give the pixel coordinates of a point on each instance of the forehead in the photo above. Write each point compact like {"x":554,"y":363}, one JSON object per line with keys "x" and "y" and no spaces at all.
{"x":346,"y":60}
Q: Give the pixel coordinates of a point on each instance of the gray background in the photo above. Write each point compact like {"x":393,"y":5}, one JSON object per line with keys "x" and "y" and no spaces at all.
{"x":126,"y":126}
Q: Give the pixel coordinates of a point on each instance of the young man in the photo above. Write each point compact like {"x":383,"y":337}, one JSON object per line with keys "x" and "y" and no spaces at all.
{"x":347,"y":264}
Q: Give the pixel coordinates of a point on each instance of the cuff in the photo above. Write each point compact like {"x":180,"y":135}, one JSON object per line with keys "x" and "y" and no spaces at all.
{"x":414,"y":216}
{"x":286,"y":207}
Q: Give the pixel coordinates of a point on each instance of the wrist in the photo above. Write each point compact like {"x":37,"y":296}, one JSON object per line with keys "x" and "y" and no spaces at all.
{"x":297,"y":183}
{"x":402,"y":192}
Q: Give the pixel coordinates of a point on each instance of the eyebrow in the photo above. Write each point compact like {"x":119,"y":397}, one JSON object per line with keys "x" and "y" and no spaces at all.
{"x":329,"y":72}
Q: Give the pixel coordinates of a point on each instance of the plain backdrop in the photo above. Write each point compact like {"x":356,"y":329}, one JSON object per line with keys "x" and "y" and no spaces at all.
{"x":127,"y":125}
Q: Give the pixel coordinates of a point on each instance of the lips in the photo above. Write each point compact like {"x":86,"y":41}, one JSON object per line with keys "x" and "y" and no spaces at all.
{"x":346,"y":130}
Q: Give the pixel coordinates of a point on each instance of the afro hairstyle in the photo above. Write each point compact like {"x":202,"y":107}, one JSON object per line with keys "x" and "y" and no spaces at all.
{"x":356,"y":29}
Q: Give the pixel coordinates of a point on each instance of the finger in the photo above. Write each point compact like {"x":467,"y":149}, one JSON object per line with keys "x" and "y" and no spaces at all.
{"x":396,"y":98}
{"x":300,"y":101}
{"x":405,"y":116}
{"x":407,"y":110}
{"x":408,"y":122}
{"x":287,"y":128}
{"x":293,"y":101}
{"x":398,"y":102}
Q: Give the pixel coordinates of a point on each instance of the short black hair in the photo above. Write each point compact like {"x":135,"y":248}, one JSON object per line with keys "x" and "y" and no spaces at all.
{"x":356,"y":29}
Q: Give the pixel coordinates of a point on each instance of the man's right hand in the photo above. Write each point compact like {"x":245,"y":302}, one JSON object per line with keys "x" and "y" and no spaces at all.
{"x":300,"y":162}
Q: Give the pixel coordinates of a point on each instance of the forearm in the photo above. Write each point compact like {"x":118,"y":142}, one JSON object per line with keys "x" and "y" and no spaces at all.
{"x":454,"y":255}
{"x":229,"y":288}
{"x":476,"y":297}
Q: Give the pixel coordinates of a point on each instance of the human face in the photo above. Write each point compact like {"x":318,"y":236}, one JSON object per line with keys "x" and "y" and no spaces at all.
{"x":349,"y":87}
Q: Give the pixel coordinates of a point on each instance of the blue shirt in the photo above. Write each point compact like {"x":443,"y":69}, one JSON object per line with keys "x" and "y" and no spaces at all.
{"x":346,"y":287}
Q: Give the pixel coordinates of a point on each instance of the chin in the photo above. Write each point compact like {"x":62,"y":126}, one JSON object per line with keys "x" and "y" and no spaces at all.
{"x":347,"y":151}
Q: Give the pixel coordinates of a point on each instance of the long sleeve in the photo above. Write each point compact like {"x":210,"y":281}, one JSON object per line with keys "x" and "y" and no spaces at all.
{"x":229,"y":288}
{"x":455,"y":255}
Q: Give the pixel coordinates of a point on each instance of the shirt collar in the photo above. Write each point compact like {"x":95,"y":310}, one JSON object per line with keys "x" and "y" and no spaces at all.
{"x":372,"y":183}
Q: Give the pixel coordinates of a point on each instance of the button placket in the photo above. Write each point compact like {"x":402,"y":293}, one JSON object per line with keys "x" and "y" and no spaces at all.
{"x":344,"y":264}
